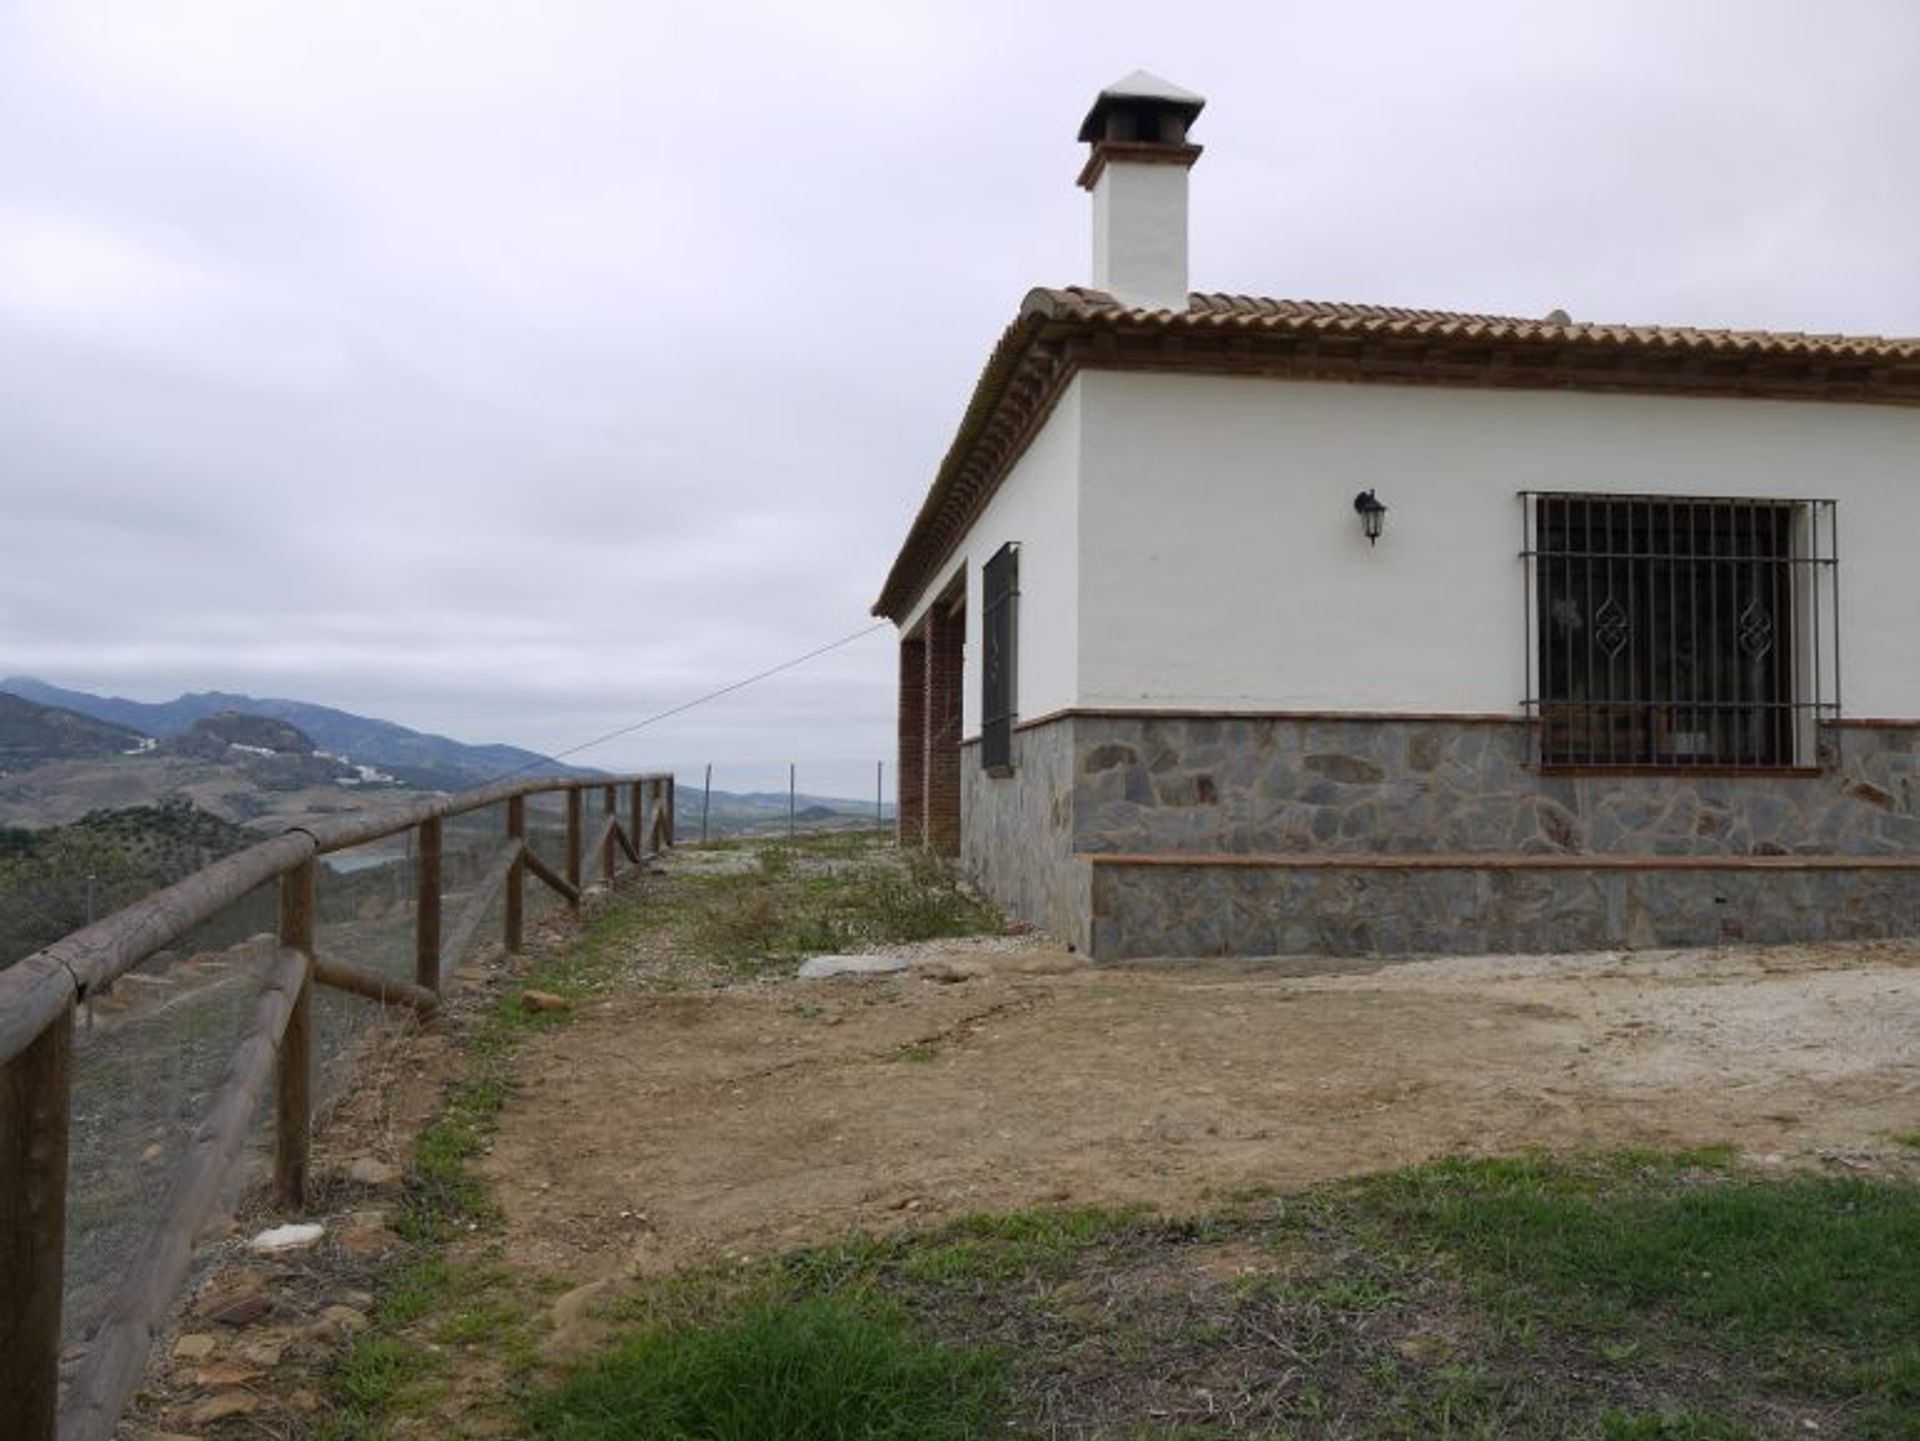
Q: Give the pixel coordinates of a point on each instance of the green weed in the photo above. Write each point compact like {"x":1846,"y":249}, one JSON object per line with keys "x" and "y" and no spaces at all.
{"x":831,"y":1368}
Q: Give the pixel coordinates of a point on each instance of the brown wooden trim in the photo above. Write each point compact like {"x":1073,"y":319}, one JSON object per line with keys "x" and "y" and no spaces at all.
{"x":1152,"y":713}
{"x":1577,"y":772}
{"x":1492,"y":861}
{"x":1139,"y":152}
{"x":1373,"y":717}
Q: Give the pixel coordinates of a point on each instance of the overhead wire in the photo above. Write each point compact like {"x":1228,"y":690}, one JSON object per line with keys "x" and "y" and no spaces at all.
{"x":697,"y":701}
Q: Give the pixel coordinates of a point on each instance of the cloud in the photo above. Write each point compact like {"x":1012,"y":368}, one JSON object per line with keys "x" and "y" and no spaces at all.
{"x":516,"y":371}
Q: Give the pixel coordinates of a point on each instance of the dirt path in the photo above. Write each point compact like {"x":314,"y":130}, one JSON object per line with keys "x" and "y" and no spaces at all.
{"x":662,"y":1128}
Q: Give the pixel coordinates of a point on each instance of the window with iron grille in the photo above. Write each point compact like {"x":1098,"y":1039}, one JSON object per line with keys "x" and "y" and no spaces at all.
{"x":1680,"y":631}
{"x":1000,"y":583}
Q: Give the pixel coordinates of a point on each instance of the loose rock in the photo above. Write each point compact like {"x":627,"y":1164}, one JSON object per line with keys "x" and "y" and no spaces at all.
{"x":371,"y":1240}
{"x":242,"y":1311}
{"x":373,"y":1172}
{"x":542,"y":1001}
{"x":226,"y":1373}
{"x":220,"y":1407}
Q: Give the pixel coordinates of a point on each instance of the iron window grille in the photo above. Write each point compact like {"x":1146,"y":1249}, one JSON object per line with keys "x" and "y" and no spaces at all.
{"x":1672,"y":632}
{"x":999,"y":615}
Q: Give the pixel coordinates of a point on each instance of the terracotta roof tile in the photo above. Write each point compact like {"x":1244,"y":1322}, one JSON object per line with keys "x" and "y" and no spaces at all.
{"x":1213,"y":312}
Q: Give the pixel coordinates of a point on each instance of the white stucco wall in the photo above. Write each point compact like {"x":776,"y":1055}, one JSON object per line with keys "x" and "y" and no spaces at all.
{"x":1222,"y":566}
{"x":1140,"y":234}
{"x":1037,"y":507}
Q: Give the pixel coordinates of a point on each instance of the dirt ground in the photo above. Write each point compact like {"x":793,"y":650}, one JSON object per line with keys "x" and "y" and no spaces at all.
{"x":662,"y":1128}
{"x":691,"y":1117}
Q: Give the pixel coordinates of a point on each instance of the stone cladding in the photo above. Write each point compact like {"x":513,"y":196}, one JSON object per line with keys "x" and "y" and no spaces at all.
{"x":1017,"y":832}
{"x":1262,"y":784}
{"x":1121,"y":785}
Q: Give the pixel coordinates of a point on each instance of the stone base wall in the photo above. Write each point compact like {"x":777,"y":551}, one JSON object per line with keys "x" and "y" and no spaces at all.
{"x":1415,"y":787}
{"x":1089,"y":787}
{"x":1142,"y":911}
{"x":1369,"y":787}
{"x":1017,"y":833}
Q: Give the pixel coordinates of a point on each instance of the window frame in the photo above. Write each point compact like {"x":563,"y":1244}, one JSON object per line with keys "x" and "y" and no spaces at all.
{"x":1658,"y":578}
{"x":999,"y":658}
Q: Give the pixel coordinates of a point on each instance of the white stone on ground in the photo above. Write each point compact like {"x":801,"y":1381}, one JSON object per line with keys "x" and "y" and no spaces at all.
{"x":296,"y":1237}
{"x":819,"y":968}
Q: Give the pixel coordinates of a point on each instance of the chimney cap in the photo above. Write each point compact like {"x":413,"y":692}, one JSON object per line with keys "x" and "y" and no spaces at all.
{"x":1139,"y":88}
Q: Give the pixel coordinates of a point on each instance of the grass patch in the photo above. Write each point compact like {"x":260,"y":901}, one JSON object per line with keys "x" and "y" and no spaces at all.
{"x":799,"y":900}
{"x":827,"y":1368}
{"x":1631,"y":1297}
{"x":1811,"y":1282}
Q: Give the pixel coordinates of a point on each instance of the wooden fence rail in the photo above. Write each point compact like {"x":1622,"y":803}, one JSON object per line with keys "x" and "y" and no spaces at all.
{"x":39,"y":995}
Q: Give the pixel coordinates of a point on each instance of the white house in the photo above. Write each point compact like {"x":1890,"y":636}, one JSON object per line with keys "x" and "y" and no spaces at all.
{"x":1164,"y":694}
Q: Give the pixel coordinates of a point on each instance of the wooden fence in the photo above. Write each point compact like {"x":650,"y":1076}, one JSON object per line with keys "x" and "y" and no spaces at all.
{"x":39,"y":996}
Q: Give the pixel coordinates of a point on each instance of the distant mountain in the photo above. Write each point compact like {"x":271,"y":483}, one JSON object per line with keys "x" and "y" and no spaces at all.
{"x":32,"y":732}
{"x":429,"y":762}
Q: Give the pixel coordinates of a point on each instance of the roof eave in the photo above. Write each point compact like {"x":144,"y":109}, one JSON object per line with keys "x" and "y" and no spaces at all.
{"x":1240,"y":335}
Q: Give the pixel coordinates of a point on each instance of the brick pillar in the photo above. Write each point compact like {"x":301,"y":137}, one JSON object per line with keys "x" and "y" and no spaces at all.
{"x":910,"y":772}
{"x":946,"y":635}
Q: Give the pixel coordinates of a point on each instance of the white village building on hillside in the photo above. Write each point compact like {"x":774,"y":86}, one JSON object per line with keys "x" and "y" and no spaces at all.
{"x":1164,"y":695}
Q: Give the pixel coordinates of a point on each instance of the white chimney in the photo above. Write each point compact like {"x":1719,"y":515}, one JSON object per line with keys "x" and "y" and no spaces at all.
{"x":1138,"y":175}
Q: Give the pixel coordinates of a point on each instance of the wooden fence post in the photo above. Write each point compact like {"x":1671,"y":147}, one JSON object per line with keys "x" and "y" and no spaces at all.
{"x":35,"y":1101}
{"x":426,"y":913}
{"x":516,"y":878}
{"x":293,"y":1087}
{"x":573,"y":842}
{"x":671,"y":788}
{"x":610,"y":805}
{"x":635,"y":813}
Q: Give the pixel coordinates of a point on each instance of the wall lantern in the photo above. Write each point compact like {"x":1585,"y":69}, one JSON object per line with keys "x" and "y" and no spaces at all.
{"x":1372,"y":514}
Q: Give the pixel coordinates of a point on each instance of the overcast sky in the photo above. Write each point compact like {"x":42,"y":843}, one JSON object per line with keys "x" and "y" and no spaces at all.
{"x":517,"y":371}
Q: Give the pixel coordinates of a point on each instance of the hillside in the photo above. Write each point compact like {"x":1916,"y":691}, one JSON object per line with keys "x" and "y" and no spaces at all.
{"x":272,"y":754}
{"x":32,"y":733}
{"x":732,"y":813}
{"x":52,"y":880}
{"x":415,"y":758}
